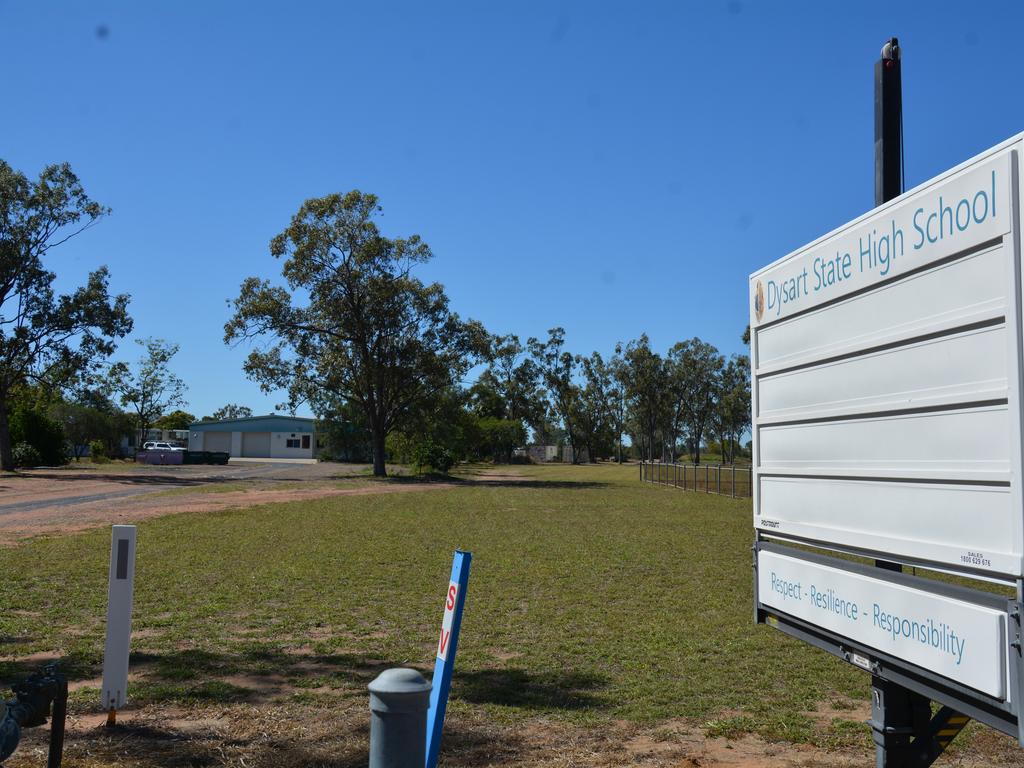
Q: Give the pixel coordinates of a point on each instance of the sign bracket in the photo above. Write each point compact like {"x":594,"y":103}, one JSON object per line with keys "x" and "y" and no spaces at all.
{"x":905,"y":733}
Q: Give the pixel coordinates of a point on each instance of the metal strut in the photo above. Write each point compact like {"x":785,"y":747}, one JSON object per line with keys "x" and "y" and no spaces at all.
{"x":905,"y":732}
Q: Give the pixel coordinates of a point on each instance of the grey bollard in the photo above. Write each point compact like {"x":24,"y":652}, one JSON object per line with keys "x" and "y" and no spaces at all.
{"x":399,"y":699}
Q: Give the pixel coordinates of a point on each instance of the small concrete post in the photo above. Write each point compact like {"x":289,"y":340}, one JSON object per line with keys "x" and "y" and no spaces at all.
{"x":399,"y":699}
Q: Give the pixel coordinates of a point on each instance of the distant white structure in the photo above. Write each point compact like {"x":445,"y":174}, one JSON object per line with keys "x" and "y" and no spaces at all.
{"x":542,"y":453}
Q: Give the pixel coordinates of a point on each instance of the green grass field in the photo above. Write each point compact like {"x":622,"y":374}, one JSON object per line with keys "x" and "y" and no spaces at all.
{"x":593,"y":599}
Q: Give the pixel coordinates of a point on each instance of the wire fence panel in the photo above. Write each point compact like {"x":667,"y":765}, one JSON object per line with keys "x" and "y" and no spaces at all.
{"x":722,"y":479}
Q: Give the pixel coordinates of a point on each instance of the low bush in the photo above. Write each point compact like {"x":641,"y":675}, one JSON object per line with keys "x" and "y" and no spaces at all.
{"x":26,"y":455}
{"x":428,"y":455}
{"x":46,"y":436}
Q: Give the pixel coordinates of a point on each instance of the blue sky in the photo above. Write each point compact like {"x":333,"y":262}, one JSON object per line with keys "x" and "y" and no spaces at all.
{"x":613,"y":168}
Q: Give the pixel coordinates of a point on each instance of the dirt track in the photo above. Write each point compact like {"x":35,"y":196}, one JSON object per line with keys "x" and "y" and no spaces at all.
{"x":75,"y":498}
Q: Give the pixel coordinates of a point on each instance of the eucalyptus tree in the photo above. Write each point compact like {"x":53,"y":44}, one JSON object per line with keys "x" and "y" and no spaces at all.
{"x":45,"y":337}
{"x":353,"y":324}
{"x":513,"y":376}
{"x":647,"y":390}
{"x":733,"y":410}
{"x":696,"y":370}
{"x":149,"y":388}
{"x":598,"y":401}
{"x":557,"y":369}
{"x":617,"y":398}
{"x":231,"y":411}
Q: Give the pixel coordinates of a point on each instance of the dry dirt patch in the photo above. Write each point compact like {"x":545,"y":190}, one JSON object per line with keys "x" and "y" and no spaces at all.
{"x":64,"y":501}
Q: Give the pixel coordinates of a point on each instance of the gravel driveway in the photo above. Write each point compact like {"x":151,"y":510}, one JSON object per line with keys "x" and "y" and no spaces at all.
{"x":83,"y":496}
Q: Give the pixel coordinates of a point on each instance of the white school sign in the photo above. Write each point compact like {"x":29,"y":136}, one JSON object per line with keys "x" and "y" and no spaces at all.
{"x":886,"y":361}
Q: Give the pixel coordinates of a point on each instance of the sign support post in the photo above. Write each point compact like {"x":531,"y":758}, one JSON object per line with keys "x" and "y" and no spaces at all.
{"x":444,"y":664}
{"x":900,"y":717}
{"x":120,"y":593}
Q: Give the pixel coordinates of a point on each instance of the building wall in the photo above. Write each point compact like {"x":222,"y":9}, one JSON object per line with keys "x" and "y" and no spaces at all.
{"x":278,"y":444}
{"x":541,"y":453}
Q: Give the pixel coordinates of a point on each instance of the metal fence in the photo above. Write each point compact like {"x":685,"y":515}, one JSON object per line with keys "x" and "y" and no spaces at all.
{"x":726,"y":479}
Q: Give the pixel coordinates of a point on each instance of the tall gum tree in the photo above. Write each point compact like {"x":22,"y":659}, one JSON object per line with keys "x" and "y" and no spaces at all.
{"x":695,"y":381}
{"x":353,"y":325}
{"x":557,"y":370}
{"x":45,"y":337}
{"x":149,"y":388}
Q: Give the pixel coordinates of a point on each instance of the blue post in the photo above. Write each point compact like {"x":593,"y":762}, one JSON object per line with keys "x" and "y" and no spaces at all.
{"x":447,"y":644}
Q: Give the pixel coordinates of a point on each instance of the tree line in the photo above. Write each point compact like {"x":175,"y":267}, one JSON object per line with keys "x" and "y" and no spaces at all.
{"x":380,"y":357}
{"x":350,"y":332}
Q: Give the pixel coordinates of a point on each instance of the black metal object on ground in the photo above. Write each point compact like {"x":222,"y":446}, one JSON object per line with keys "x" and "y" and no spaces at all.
{"x":30,"y":707}
{"x":206,"y":457}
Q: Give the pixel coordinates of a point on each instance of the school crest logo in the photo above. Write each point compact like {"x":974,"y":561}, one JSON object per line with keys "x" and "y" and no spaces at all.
{"x":758,"y":301}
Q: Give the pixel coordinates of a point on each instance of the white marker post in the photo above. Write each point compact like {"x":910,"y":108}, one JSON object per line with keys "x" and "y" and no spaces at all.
{"x":119,"y":620}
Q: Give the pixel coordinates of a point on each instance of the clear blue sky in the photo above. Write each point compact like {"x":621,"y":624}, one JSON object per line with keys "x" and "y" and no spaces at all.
{"x":613,"y":168}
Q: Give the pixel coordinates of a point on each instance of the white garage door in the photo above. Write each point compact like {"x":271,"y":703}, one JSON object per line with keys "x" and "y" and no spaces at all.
{"x":217,"y":441}
{"x":256,"y":445}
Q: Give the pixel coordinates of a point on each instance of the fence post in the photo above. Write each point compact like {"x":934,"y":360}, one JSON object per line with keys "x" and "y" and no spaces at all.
{"x":734,"y":481}
{"x":707,"y":478}
{"x":719,"y":479}
{"x":398,"y":719}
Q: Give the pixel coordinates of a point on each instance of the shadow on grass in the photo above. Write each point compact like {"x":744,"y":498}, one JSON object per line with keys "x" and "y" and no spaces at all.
{"x":284,"y":740}
{"x":13,"y":640}
{"x":544,"y":691}
{"x":197,"y":676}
{"x":484,"y":481}
{"x":463,"y":747}
{"x":198,"y":747}
{"x":172,"y":476}
{"x":249,"y":675}
{"x":74,"y":666}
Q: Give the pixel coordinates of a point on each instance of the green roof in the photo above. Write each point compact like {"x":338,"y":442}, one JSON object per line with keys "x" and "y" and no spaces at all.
{"x":269,"y":423}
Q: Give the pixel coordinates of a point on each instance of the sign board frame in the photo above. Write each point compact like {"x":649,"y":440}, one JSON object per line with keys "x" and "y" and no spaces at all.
{"x":885,"y":335}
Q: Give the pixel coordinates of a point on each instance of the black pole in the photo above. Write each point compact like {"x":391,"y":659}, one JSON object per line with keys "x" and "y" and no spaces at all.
{"x":888,"y":124}
{"x":888,"y":143}
{"x":57,"y":724}
{"x":898,"y":716}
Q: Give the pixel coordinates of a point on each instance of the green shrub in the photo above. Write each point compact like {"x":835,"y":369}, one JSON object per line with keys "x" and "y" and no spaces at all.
{"x":45,"y":435}
{"x":26,"y":455}
{"x":429,"y":455}
{"x":97,"y":449}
